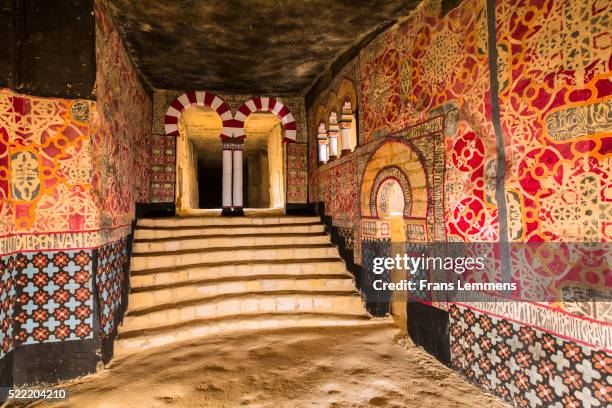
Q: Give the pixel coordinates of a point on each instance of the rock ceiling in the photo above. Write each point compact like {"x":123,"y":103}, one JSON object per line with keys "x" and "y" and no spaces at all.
{"x":246,"y":46}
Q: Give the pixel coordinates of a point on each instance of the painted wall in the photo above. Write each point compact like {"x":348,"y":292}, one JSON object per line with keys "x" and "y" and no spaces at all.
{"x":48,"y":207}
{"x":187,"y":195}
{"x":276,"y":179}
{"x":66,"y":169}
{"x":122,"y":134}
{"x":436,"y":97}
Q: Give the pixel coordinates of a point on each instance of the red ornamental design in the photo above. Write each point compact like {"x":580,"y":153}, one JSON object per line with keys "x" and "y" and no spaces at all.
{"x":41,"y":334}
{"x":82,"y":312}
{"x":40,"y":298}
{"x":62,"y":332}
{"x":83,"y":330}
{"x":82,"y":294}
{"x":61,"y":278}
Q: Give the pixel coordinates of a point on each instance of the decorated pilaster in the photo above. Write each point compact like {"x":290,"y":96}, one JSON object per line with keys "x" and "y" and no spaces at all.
{"x":323,"y":144}
{"x":346,"y":121}
{"x":332,"y":134}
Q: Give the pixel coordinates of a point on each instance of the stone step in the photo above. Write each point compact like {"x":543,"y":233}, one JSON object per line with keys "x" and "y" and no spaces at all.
{"x":196,"y":276}
{"x":156,"y":296}
{"x":343,"y":303}
{"x":143,"y":232}
{"x":170,"y":259}
{"x":143,"y":339}
{"x":226,"y":241}
{"x":170,"y":276}
{"x":191,"y":221}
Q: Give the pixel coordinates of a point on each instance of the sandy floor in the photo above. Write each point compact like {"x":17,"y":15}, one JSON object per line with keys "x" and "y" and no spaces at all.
{"x":336,"y":367}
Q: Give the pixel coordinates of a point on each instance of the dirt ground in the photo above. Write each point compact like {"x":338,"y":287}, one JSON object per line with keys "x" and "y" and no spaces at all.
{"x":327,"y":367}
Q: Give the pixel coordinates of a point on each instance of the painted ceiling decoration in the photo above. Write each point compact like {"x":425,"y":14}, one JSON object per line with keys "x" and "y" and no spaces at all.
{"x":250,"y":47}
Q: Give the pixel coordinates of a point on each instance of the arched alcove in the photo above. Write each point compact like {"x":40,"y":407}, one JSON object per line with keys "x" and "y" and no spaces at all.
{"x":199,"y":160}
{"x":263,"y":162}
{"x":407,"y":170}
{"x":198,"y":119}
{"x":390,"y":201}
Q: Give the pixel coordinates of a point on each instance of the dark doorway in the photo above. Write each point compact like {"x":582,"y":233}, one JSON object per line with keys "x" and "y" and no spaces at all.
{"x":209,"y":184}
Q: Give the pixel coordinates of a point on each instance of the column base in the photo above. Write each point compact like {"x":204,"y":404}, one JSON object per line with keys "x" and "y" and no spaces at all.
{"x":346,"y":151}
{"x":331,"y":158}
{"x":237,"y":211}
{"x":226,"y":211}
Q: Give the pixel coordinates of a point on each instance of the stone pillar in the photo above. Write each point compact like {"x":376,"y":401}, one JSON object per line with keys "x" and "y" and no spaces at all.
{"x":226,"y":194}
{"x":332,"y":135}
{"x":237,"y":189}
{"x":322,"y":141}
{"x":345,"y":128}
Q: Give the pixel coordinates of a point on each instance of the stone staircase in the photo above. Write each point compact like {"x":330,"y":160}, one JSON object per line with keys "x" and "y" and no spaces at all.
{"x":198,"y":276}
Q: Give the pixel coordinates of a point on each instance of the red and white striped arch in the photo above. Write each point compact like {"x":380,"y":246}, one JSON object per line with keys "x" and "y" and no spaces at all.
{"x":198,"y":98}
{"x":265,"y":105}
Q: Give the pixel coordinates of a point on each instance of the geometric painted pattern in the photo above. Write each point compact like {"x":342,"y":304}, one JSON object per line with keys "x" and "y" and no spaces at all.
{"x":120,"y":128}
{"x":337,"y":189}
{"x":297,"y":173}
{"x":163,"y":168}
{"x":556,"y":117}
{"x":54,"y":296}
{"x":526,"y":366}
{"x":110,"y":280}
{"x":45,"y":160}
{"x":7,"y":302}
{"x":554,"y":121}
{"x":70,"y":173}
{"x":553,"y":101}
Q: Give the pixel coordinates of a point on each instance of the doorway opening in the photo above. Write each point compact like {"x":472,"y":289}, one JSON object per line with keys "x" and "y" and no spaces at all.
{"x":390,"y":200}
{"x":199,"y":160}
{"x":263,"y":158}
{"x":390,"y":204}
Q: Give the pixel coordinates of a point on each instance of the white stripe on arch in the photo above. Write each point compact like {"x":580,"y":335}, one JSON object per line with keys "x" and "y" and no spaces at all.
{"x":172,"y":111}
{"x":184,"y":100}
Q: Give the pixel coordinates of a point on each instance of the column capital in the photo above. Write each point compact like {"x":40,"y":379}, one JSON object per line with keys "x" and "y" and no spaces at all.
{"x":232,"y":145}
{"x":345,"y":121}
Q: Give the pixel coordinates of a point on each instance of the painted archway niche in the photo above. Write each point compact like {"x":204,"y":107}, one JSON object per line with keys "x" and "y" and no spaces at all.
{"x":211,"y":145}
{"x":185,"y":114}
{"x":284,"y":132}
{"x":394,"y":205}
{"x":337,"y":119}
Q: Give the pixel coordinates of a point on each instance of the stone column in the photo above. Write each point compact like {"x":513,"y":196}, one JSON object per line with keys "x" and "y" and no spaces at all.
{"x":322,"y":141}
{"x":237,"y":189}
{"x":332,"y":135}
{"x":226,"y":194}
{"x":345,"y":127}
